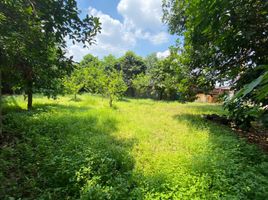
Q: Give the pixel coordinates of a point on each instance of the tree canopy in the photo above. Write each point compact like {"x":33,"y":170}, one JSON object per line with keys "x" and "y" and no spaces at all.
{"x":33,"y":40}
{"x":131,"y":65}
{"x":223,"y":39}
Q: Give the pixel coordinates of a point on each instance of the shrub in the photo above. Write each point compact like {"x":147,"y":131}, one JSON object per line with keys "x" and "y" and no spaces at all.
{"x":250,"y":104}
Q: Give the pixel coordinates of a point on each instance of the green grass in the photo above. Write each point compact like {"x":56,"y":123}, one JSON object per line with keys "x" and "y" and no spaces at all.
{"x":142,"y":149}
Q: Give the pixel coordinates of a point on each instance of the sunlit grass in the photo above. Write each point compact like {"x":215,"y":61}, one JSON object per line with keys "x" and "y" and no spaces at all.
{"x":141,"y":149}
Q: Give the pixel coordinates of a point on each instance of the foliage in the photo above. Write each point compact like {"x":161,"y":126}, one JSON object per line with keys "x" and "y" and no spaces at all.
{"x":260,"y":82}
{"x":170,"y":79}
{"x":163,"y":79}
{"x":249,"y":104}
{"x":110,"y":63}
{"x":131,"y":65}
{"x":113,"y":85}
{"x":145,"y":149}
{"x":141,"y":84}
{"x":91,"y":71}
{"x":151,"y":61}
{"x":89,"y":60}
{"x":222,"y":38}
{"x":93,"y":79}
{"x":74,"y":83}
{"x":33,"y":40}
{"x":98,"y":77}
{"x":225,"y":41}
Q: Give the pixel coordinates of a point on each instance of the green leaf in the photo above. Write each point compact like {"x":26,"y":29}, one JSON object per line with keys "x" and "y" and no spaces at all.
{"x":249,"y":87}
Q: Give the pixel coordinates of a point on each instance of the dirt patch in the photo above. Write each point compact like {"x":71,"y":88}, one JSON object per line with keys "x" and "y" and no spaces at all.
{"x":255,"y":136}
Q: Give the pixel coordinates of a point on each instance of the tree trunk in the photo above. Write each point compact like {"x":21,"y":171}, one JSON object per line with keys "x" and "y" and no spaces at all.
{"x":132,"y":92}
{"x":28,"y":77}
{"x":30,"y":94}
{"x":24,"y":96}
{"x":75,"y":97}
{"x":1,"y":123}
{"x":111,"y":102}
{"x":161,"y":94}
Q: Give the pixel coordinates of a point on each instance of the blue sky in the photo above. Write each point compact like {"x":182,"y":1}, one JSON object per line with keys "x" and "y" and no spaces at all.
{"x":126,"y":25}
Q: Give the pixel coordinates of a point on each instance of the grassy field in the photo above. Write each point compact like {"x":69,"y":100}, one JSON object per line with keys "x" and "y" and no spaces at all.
{"x":141,"y":149}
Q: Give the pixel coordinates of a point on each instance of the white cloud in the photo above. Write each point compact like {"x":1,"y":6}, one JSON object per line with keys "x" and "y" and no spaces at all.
{"x":163,"y":54}
{"x":76,"y":50}
{"x":159,"y":38}
{"x":141,"y":20}
{"x":114,"y":38}
{"x":145,"y":18}
{"x":142,"y":14}
{"x":113,"y":31}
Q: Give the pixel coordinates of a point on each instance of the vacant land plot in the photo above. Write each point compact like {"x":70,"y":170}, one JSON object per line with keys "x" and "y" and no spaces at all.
{"x":142,"y":149}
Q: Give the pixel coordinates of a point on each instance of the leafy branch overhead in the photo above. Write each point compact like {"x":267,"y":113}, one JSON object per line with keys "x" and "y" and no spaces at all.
{"x":261,"y":82}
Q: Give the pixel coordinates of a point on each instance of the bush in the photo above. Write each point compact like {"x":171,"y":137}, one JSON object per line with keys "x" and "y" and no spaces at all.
{"x":250,"y":104}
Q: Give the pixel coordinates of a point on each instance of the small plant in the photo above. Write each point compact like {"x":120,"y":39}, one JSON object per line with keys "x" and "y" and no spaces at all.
{"x":73,"y":83}
{"x":113,"y":86}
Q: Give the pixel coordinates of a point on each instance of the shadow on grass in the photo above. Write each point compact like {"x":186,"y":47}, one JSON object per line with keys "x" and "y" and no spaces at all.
{"x":72,"y":155}
{"x":13,"y":107}
{"x":47,"y":107}
{"x":77,"y":99}
{"x":63,"y":156}
{"x":228,"y":164}
{"x":206,"y":108}
{"x":124,"y":100}
{"x":10,"y":105}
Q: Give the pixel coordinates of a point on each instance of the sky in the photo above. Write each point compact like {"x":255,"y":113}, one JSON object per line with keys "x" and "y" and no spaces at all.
{"x":134,"y":25}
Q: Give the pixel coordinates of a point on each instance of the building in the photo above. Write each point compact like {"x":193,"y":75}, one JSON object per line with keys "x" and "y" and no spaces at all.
{"x":214,"y":95}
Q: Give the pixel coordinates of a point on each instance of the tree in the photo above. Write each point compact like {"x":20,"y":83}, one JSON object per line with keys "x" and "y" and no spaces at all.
{"x":98,"y":77}
{"x":93,"y":78}
{"x":91,"y":70}
{"x":74,"y":83}
{"x":34,"y":39}
{"x":114,"y":85}
{"x":142,"y":85}
{"x":106,"y":78}
{"x":223,"y":39}
{"x":131,"y":65}
{"x":89,"y":60}
{"x":86,"y":76}
{"x":170,"y":77}
{"x":110,"y":62}
{"x":108,"y":83}
{"x":151,"y":61}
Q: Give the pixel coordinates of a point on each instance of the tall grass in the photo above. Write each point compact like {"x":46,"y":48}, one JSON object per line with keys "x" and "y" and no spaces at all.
{"x":141,"y":149}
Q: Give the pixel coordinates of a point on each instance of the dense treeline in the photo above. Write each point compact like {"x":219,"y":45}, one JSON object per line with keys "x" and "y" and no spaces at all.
{"x":133,"y":76}
{"x":130,"y":75}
